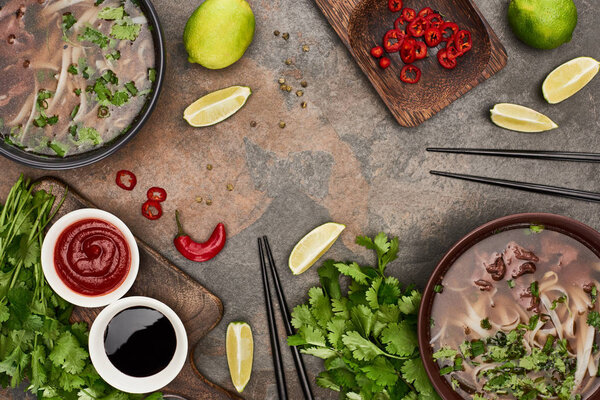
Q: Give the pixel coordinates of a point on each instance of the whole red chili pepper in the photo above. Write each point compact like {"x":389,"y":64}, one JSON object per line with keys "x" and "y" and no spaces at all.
{"x":152,"y":210}
{"x":196,"y":251}
{"x":407,"y":71}
{"x":126,"y":179}
{"x":377,"y":51}
{"x":392,"y":40}
{"x":408,"y":51}
{"x":384,"y":62}
{"x":425,"y":12}
{"x":395,"y":5}
{"x":157,"y":194}
{"x":445,"y":61}
{"x":417,"y":27}
{"x":447,"y":35}
{"x":409,"y":14}
{"x":463,"y":41}
{"x":433,"y":37}
{"x":420,"y":50}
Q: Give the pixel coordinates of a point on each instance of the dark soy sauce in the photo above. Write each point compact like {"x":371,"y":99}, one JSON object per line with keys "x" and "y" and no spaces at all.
{"x":140,"y":341}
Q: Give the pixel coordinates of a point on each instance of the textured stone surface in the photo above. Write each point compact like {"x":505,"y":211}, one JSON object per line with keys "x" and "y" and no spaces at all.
{"x":342,"y":158}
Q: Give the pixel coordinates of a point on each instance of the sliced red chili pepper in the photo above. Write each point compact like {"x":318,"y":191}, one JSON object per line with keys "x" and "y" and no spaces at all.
{"x":377,"y":51}
{"x":392,"y":40}
{"x":463,"y":41}
{"x":152,"y":210}
{"x":126,"y":179}
{"x":433,"y":37}
{"x":451,"y":50}
{"x":446,"y":62}
{"x":408,"y":52}
{"x":449,"y":29}
{"x":399,"y":24}
{"x":410,"y":74}
{"x":425,"y":12}
{"x":395,"y":5}
{"x":435,"y":20}
{"x":196,"y":251}
{"x":420,"y":50}
{"x":417,"y":27}
{"x":157,"y":194}
{"x":409,"y":14}
{"x":384,"y":62}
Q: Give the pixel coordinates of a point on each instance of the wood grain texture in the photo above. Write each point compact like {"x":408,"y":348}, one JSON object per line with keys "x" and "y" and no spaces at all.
{"x":361,"y":25}
{"x":199,"y":309}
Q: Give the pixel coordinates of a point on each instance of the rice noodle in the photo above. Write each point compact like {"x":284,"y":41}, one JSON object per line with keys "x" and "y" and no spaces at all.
{"x":23,"y":112}
{"x":140,"y":20}
{"x":62,"y":80}
{"x":59,"y":5}
{"x":31,"y":115}
{"x":584,"y":352}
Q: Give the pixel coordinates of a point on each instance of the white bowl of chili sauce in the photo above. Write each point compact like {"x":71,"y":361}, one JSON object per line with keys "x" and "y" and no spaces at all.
{"x":90,"y":258}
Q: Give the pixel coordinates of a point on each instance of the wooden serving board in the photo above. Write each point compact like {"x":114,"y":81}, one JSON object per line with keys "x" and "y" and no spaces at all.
{"x":361,"y":24}
{"x":199,"y":309}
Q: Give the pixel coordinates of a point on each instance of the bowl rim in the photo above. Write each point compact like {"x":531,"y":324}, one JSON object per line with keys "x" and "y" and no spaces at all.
{"x":56,"y":283}
{"x":566,"y":225}
{"x":87,"y":158}
{"x":118,"y":379}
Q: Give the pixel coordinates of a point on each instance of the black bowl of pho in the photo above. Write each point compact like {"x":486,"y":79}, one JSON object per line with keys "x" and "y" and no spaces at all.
{"x":512,"y":312}
{"x":78,"y":78}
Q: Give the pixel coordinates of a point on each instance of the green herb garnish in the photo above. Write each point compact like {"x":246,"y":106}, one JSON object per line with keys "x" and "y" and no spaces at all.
{"x":72,"y":69}
{"x":511,"y":283}
{"x":115,"y":55}
{"x":125,"y":30}
{"x":536,"y":228}
{"x":151,"y":74}
{"x":130,"y":86}
{"x":111,"y":13}
{"x":485,"y":324}
{"x":93,"y":36}
{"x":558,"y":301}
{"x":68,"y":20}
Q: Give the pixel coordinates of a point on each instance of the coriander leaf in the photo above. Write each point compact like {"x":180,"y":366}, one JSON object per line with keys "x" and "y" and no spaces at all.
{"x":93,"y":36}
{"x":119,"y":98}
{"x":363,"y":318}
{"x":321,"y":352}
{"x":325,"y":380}
{"x":151,"y":74}
{"x":328,"y":276}
{"x":320,"y":306}
{"x":125,"y":30}
{"x":340,"y":307}
{"x":413,"y":371}
{"x":111,"y":13}
{"x":301,"y":316}
{"x":400,"y":338}
{"x":445,"y":353}
{"x":410,"y":304}
{"x":336,"y":328}
{"x":352,"y":270}
{"x":312,"y":336}
{"x":296,"y":340}
{"x":371,"y":294}
{"x":68,"y":20}
{"x":69,"y":354}
{"x":89,"y":135}
{"x":593,"y":319}
{"x":361,"y":348}
{"x":388,"y":313}
{"x":381,"y":371}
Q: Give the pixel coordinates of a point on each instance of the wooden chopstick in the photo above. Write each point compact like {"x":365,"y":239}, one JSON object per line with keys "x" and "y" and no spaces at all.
{"x":535,"y":154}
{"x":300,"y":369}
{"x":277,"y":360}
{"x":528,"y":187}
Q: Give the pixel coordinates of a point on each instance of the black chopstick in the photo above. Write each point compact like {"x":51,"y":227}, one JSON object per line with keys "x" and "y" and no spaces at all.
{"x":302,"y":376}
{"x":528,"y":187}
{"x":277,"y":361}
{"x":535,"y":154}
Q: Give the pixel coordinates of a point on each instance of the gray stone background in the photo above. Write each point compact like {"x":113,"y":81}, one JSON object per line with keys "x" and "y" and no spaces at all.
{"x":343,"y":158}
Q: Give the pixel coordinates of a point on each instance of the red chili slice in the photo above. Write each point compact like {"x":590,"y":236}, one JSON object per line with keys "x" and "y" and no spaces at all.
{"x":126,"y":179}
{"x":420,"y":50}
{"x":399,"y":24}
{"x":425,"y":12}
{"x":463,"y":41}
{"x":433,"y":37}
{"x":446,"y":62}
{"x":152,"y":210}
{"x":393,"y":40}
{"x":408,"y":52}
{"x":157,"y":194}
{"x":410,"y":74}
{"x":384,"y":62}
{"x":446,"y":35}
{"x":435,"y":20}
{"x":417,"y":27}
{"x":377,"y":51}
{"x":409,"y":14}
{"x":395,"y":5}
{"x":451,"y":51}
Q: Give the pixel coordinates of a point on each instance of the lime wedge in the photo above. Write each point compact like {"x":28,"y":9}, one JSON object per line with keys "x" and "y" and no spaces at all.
{"x":569,"y":78}
{"x":519,"y":118}
{"x":216,"y":106}
{"x":312,"y":246}
{"x":240,"y":349}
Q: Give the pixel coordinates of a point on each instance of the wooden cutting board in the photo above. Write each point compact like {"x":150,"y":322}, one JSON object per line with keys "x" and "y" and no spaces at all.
{"x":361,"y":24}
{"x":199,"y":309}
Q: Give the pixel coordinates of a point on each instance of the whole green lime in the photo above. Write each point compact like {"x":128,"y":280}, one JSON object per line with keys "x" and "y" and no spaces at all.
{"x":543,"y":24}
{"x":218,"y":33}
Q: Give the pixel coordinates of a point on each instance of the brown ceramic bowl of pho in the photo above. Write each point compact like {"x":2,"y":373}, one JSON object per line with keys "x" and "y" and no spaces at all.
{"x":78,"y":78}
{"x":511,"y":312}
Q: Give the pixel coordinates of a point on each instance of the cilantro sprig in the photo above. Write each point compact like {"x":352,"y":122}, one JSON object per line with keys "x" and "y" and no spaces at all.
{"x":368,"y":335}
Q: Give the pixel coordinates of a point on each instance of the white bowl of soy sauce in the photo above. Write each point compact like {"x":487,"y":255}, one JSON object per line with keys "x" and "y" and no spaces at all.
{"x":138,"y":344}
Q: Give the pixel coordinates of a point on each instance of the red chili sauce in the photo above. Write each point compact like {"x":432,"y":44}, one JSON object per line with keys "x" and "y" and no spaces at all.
{"x":92,"y":257}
